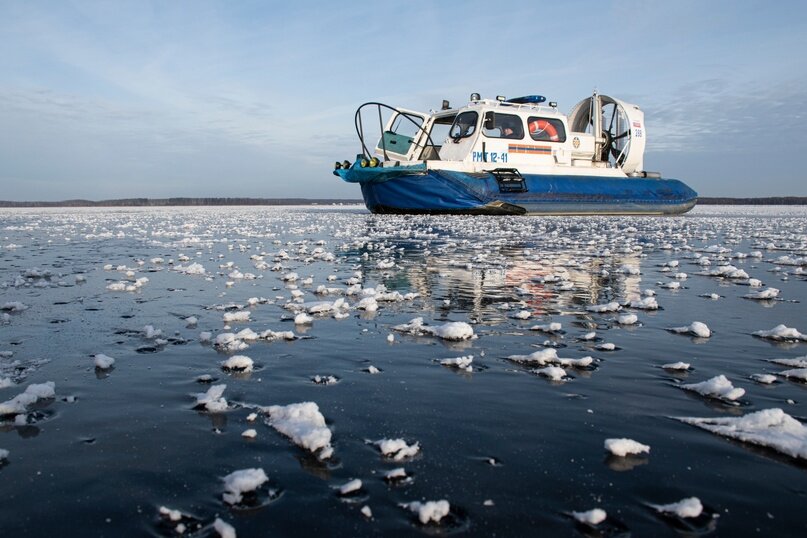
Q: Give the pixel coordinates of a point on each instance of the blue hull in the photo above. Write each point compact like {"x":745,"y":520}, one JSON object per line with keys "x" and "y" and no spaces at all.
{"x":418,"y":190}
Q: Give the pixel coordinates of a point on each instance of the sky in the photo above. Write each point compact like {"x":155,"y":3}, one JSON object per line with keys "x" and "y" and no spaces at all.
{"x":203,"y":98}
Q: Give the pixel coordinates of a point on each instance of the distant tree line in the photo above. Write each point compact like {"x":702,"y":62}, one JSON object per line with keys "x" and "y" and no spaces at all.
{"x":771,"y":200}
{"x":162,"y":202}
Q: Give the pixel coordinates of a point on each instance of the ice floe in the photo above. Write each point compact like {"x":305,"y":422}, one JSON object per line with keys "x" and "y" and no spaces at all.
{"x":303,"y":424}
{"x":32,"y":394}
{"x":397,"y":449}
{"x":623,"y":446}
{"x":696,"y":328}
{"x":103,"y":362}
{"x":591,"y":517}
{"x":771,"y":428}
{"x":212,"y":400}
{"x":718,"y":387}
{"x":237,"y":483}
{"x":454,"y":330}
{"x":429,"y":511}
{"x":686,"y":508}
{"x":783,"y":333}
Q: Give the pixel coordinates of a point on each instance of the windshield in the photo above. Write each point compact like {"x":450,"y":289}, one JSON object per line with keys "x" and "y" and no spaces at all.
{"x":464,"y":125}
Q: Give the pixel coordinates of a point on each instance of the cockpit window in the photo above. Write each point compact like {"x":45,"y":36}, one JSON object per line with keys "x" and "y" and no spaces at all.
{"x":464,"y":125}
{"x":503,"y":126}
{"x":546,"y":129}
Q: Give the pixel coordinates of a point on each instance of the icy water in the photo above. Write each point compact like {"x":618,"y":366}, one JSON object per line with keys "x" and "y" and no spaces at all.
{"x":514,"y":440}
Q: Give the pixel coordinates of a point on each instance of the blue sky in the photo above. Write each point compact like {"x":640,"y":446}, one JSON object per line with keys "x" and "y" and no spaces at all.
{"x":256,"y":98}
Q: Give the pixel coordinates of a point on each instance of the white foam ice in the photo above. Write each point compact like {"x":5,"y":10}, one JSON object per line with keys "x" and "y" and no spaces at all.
{"x":242,"y":481}
{"x":680,"y":365}
{"x":686,"y":508}
{"x":240,"y":363}
{"x":351,"y":486}
{"x":796,"y":373}
{"x":13,"y":306}
{"x":249,"y":433}
{"x":591,"y":517}
{"x":645,"y":303}
{"x":607,"y":307}
{"x":717,"y":387}
{"x":624,"y":446}
{"x":453,"y":330}
{"x":430,"y":511}
{"x":461,"y":363}
{"x":397,"y":449}
{"x":150,"y":333}
{"x":303,"y":424}
{"x":32,"y":394}
{"x":303,"y":319}
{"x":797,"y":362}
{"x":242,"y":315}
{"x":768,"y":293}
{"x":192,"y":269}
{"x":6,"y":382}
{"x":782,"y":332}
{"x":224,"y":529}
{"x":103,"y":362}
{"x":228,"y":342}
{"x":696,"y":328}
{"x":765,"y":379}
{"x":3,"y":454}
{"x":555,"y":373}
{"x":548,"y":327}
{"x":772,"y":428}
{"x":213,"y":399}
{"x":523,"y":314}
{"x":627,"y":319}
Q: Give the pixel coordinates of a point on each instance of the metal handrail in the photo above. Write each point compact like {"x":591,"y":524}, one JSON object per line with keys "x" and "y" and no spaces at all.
{"x":360,"y":127}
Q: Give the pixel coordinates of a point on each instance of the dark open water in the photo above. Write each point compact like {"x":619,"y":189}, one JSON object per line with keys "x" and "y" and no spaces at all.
{"x":101,"y":457}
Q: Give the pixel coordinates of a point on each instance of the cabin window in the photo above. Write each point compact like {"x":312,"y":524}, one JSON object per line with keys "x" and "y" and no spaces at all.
{"x":439,"y":132}
{"x":546,"y":129}
{"x":503,"y":126}
{"x":401,"y":134}
{"x":464,"y":125}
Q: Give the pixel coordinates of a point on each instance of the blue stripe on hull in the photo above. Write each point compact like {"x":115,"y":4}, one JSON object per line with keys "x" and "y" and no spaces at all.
{"x":457,"y":192}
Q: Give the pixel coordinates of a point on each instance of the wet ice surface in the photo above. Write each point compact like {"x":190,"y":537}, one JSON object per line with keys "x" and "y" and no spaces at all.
{"x":225,"y":323}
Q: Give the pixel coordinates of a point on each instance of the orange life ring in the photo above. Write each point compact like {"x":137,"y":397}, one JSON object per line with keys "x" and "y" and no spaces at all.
{"x":537,"y":126}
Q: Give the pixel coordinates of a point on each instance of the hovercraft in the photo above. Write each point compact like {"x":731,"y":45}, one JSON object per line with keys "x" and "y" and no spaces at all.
{"x":515,"y":156}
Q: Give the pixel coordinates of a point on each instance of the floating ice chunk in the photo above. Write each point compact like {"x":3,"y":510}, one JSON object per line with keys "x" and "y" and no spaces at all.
{"x":229,"y":343}
{"x":622,"y":447}
{"x":13,"y":306}
{"x":627,"y":319}
{"x":540,"y":357}
{"x":772,"y":428}
{"x":277,"y":335}
{"x":192,"y":269}
{"x":685,"y":508}
{"x":696,"y":328}
{"x":191,"y":321}
{"x":797,"y":373}
{"x":462,"y":363}
{"x":765,"y":379}
{"x":646,"y":303}
{"x":399,"y":473}
{"x":3,"y":454}
{"x":798,"y":362}
{"x":350,"y":487}
{"x":430,"y":511}
{"x":325,"y":380}
{"x":523,"y":314}
{"x":172,"y":515}
{"x":205,"y":337}
{"x":224,"y":529}
{"x":243,"y":481}
{"x":236,"y":316}
{"x":717,"y":387}
{"x":150,"y":333}
{"x":606,"y":346}
{"x":781,"y":332}
{"x":548,"y":327}
{"x":397,"y":449}
{"x":31,"y":395}
{"x":103,"y":362}
{"x":390,"y":338}
{"x":249,"y":434}
{"x":6,"y":382}
{"x":252,"y":417}
{"x":555,"y":373}
{"x":591,"y":517}
{"x":373,"y":370}
{"x":367,"y":512}
{"x":769,"y":293}
{"x":303,"y":424}
{"x":290,"y":277}
{"x":728,"y":271}
{"x":589,"y":336}
{"x":454,"y":330}
{"x":672,"y":286}
{"x":676,"y":366}
{"x":212,"y":400}
{"x":754,"y":282}
{"x":607,"y":307}
{"x":303,"y":319}
{"x":240,"y":363}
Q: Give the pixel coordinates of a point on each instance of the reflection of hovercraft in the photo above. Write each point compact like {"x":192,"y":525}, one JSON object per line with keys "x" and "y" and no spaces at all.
{"x":511,"y":157}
